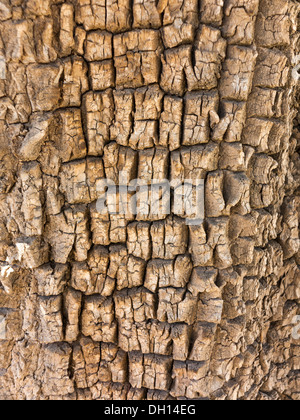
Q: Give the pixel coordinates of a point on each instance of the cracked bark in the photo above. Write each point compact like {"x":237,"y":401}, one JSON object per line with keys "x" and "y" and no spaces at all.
{"x":102,"y":306}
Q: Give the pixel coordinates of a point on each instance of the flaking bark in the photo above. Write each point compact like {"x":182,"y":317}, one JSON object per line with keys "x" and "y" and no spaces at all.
{"x":106,"y":306}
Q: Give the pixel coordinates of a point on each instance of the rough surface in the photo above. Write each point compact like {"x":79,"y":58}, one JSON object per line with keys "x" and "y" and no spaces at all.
{"x":99,"y":306}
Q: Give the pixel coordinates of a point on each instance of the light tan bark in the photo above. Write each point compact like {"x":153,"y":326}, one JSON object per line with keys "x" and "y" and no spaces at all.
{"x":102,"y":306}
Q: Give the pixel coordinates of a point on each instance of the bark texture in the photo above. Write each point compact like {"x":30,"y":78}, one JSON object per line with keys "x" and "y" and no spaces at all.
{"x":106,"y":307}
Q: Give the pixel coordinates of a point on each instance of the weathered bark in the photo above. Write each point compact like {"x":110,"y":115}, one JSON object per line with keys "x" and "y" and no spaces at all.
{"x":108,"y":307}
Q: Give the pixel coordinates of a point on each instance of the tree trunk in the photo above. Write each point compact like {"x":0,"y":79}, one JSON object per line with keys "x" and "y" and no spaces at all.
{"x":104,"y":305}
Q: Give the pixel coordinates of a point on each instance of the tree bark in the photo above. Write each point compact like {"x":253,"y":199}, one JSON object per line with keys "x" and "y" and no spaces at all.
{"x":112,"y":306}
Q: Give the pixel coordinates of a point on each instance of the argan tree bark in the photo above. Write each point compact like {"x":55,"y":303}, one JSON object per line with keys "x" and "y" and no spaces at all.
{"x":97,"y":306}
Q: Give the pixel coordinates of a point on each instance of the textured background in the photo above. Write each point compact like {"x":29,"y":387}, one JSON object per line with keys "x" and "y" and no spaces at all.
{"x":107,"y":307}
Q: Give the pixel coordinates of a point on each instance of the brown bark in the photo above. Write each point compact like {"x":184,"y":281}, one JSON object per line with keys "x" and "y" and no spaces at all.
{"x":103,"y":306}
